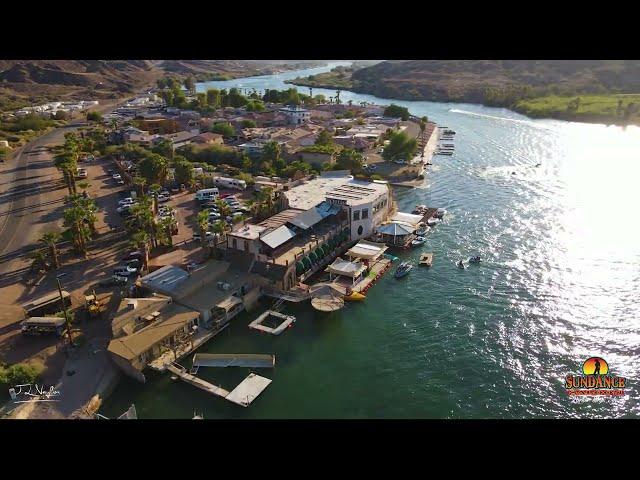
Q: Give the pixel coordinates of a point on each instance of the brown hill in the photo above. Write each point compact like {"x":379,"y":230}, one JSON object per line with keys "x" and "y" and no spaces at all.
{"x":495,"y":81}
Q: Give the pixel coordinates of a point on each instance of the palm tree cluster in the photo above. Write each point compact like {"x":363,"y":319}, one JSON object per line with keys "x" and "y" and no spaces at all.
{"x":67,"y":160}
{"x":80,"y":219}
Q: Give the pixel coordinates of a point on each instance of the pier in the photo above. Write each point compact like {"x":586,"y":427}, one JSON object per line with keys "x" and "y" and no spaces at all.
{"x":234,"y":360}
{"x":244,"y":394}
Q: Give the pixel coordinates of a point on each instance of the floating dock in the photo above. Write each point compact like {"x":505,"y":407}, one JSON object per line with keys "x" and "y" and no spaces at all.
{"x":426,"y":259}
{"x":244,"y":394}
{"x":234,"y":360}
{"x":287,"y":321}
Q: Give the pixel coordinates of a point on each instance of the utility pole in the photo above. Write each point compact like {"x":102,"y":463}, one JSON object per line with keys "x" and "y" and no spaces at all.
{"x":64,"y":309}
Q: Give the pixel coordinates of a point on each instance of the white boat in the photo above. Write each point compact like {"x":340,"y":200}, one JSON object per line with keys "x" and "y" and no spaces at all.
{"x":403,"y":269}
{"x":416,"y":242}
{"x":433,"y":221}
{"x":440,"y":213}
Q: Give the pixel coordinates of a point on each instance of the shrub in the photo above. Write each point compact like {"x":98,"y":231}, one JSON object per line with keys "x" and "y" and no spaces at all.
{"x":19,"y":374}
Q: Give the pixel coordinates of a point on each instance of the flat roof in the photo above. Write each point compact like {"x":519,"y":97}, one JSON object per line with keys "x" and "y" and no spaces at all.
{"x":313,"y":192}
{"x":368,"y":250}
{"x":279,"y":236}
{"x":409,"y":218}
{"x":165,"y":279}
{"x":173,"y":317}
{"x":249,"y":231}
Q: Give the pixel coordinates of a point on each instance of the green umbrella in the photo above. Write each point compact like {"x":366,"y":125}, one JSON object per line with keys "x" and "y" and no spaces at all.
{"x":307,"y":263}
{"x":319,"y":252}
{"x":299,"y":267}
{"x":313,"y":257}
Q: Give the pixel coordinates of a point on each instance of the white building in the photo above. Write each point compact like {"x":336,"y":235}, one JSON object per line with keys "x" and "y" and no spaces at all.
{"x":366,"y":203}
{"x":296,"y":115}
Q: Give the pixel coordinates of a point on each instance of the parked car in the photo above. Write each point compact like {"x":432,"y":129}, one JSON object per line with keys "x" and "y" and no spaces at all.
{"x":163,"y":198}
{"x":134,"y":263}
{"x":124,"y":208}
{"x":126,"y":201}
{"x":133,"y":256}
{"x":113,"y":280}
{"x":124,"y":271}
{"x":116,"y":176}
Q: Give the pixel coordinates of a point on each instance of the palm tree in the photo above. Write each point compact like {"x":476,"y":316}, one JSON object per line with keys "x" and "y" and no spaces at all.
{"x":254,"y":207}
{"x":74,"y":219}
{"x":223,"y":208}
{"x":139,"y":183}
{"x":203,"y":225}
{"x":423,"y":126}
{"x":141,"y":240}
{"x":39,"y":260}
{"x":50,"y":239}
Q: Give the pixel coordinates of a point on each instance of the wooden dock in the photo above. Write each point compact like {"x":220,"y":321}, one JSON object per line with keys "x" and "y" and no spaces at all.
{"x":426,"y":259}
{"x":377,"y":270}
{"x":234,"y":360}
{"x":244,"y":394}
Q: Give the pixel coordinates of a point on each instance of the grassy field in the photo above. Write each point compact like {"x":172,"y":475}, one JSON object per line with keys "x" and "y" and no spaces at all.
{"x":591,"y":108}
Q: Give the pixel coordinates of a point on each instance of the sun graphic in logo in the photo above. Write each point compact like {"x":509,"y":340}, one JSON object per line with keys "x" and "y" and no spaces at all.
{"x":595,"y":366}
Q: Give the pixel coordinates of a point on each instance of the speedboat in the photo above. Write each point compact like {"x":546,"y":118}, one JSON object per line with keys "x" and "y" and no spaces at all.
{"x":416,"y":242}
{"x":433,"y":221}
{"x":474,"y":259}
{"x":440,"y":213}
{"x":461,"y":265}
{"x":422,"y":230}
{"x":420,"y":210}
{"x":403,"y":269}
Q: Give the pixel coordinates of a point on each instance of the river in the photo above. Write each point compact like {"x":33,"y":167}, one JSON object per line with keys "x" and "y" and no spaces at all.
{"x":559,"y":282}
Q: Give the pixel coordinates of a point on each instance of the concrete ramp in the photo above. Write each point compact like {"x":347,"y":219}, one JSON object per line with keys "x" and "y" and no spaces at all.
{"x":234,"y":360}
{"x":248,"y":390}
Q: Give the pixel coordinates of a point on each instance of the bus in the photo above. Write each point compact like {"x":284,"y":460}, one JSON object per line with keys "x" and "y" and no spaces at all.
{"x":207,"y":194}
{"x":47,"y":305}
{"x":230,"y":183}
{"x":43,"y":326}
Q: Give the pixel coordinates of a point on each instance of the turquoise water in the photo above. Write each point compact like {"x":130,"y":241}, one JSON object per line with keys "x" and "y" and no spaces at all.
{"x":560,"y":282}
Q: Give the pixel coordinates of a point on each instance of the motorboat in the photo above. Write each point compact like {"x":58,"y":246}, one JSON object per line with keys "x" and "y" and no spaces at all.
{"x":461,"y":265}
{"x":422,"y":230}
{"x":474,"y":259}
{"x":420,"y":210}
{"x":440,"y":213}
{"x":416,"y":242}
{"x":433,"y":221}
{"x":403,"y":269}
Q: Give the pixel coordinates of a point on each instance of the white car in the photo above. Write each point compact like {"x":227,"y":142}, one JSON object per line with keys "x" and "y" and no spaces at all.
{"x":126,"y":201}
{"x":124,"y":271}
{"x":116,"y":176}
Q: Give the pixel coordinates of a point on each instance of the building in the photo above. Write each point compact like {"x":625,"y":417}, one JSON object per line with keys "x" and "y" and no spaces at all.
{"x":367,"y":204}
{"x":179,"y":139}
{"x":166,"y":329}
{"x":208,"y":138}
{"x":296,"y":115}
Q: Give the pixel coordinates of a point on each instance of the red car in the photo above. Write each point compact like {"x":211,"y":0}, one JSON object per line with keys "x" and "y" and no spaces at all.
{"x":224,"y":195}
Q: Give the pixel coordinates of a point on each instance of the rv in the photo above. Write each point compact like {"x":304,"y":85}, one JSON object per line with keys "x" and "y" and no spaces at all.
{"x":230,"y":183}
{"x":207,"y":194}
{"x":43,"y":326}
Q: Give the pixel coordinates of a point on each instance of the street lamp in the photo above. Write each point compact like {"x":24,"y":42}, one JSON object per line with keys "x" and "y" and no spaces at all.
{"x":64,"y":309}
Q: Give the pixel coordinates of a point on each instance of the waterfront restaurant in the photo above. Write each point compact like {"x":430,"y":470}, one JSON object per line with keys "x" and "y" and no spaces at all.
{"x":345,"y":268}
{"x":396,"y":234}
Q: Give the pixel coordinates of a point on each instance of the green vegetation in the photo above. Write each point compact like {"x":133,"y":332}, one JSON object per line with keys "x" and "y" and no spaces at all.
{"x":255,"y":106}
{"x":248,"y":124}
{"x":397,"y":111}
{"x":619,"y":109}
{"x":153,"y":168}
{"x":349,"y":159}
{"x":339,"y":77}
{"x":94,"y":116}
{"x":18,"y":374}
{"x":400,"y":147}
{"x":224,"y":129}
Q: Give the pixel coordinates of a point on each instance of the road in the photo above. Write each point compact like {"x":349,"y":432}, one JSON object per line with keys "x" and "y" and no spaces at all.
{"x":31,"y":196}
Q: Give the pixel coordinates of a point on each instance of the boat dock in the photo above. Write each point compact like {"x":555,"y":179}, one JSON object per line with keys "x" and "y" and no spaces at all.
{"x":287,"y":321}
{"x":244,"y":394}
{"x":378,"y":269}
{"x":426,"y":259}
{"x":234,"y":360}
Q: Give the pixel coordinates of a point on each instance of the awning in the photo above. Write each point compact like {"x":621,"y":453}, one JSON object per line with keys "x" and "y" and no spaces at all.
{"x":396,"y":229}
{"x":306,"y":219}
{"x":346,"y":268}
{"x":368,"y":250}
{"x":279,"y":236}
{"x":409,"y":218}
{"x":229,"y":303}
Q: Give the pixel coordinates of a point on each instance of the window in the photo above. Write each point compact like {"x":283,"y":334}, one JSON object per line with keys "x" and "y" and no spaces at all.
{"x":365,"y":213}
{"x":356,"y":215}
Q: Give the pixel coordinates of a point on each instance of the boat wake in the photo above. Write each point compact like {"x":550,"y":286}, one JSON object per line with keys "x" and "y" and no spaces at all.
{"x":494,"y":117}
